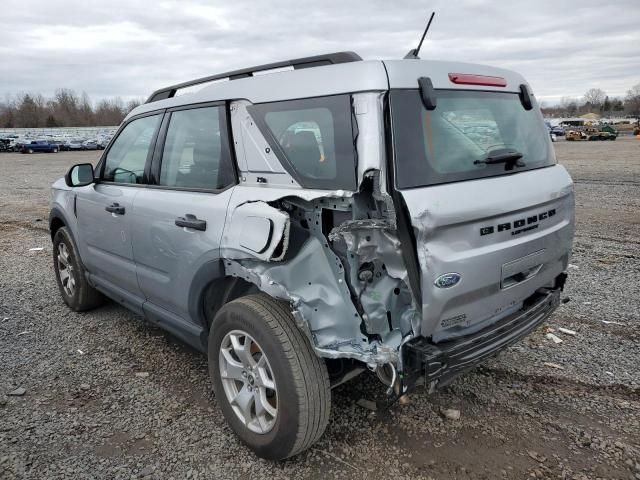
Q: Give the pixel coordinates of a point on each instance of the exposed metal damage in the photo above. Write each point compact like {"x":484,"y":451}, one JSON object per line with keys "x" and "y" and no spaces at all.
{"x":334,"y":255}
{"x":338,"y":260}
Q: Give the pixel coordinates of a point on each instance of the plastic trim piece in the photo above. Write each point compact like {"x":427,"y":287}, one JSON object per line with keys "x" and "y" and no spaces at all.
{"x":440,"y":363}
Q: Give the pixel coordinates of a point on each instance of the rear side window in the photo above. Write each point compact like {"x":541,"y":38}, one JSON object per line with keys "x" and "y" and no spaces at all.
{"x":313,"y":139}
{"x":128,"y":155}
{"x":196,"y":154}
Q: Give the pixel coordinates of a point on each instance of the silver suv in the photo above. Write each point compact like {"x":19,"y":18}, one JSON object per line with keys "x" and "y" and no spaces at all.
{"x":306,"y":220}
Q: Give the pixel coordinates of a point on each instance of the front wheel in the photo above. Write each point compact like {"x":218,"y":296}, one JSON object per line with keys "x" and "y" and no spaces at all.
{"x":70,"y":275}
{"x":272,"y":388}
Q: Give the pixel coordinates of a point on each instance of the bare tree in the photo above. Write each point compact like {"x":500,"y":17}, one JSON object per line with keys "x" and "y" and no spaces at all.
{"x":131,"y":104}
{"x":110,"y":112}
{"x":86,"y":110}
{"x":594,"y":97}
{"x":28,"y":111}
{"x":65,"y":109}
{"x":568,"y":106}
{"x":632,"y":100}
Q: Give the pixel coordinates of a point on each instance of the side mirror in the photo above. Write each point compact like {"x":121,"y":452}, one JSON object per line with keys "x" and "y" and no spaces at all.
{"x":79,"y":175}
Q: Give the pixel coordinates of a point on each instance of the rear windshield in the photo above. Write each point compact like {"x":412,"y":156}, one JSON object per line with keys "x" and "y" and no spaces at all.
{"x":441,"y":145}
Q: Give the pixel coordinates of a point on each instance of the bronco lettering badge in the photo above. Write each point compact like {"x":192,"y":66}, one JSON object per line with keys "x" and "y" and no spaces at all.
{"x":519,"y":226}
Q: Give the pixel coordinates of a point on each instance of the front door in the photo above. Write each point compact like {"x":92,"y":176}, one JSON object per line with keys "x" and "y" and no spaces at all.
{"x":178,"y":222}
{"x":105,"y":210}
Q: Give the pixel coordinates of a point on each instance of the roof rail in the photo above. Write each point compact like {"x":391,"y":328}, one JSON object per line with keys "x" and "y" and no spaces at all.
{"x":298,"y":63}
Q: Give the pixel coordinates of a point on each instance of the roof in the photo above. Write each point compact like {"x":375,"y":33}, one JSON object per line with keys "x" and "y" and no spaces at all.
{"x":285,"y":85}
{"x":333,"y":79}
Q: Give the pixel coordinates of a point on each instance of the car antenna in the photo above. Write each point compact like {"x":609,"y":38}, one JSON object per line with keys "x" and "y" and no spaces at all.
{"x":413,"y":54}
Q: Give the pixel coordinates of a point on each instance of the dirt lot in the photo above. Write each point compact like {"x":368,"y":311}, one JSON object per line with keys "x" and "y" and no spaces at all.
{"x":107,"y":396}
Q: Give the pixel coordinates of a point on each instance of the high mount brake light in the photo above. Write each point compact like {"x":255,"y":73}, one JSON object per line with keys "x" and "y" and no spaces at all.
{"x":470,"y":79}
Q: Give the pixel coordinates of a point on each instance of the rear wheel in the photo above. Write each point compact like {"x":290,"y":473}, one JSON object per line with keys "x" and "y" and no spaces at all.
{"x":70,"y":275}
{"x":29,"y":150}
{"x":272,"y":388}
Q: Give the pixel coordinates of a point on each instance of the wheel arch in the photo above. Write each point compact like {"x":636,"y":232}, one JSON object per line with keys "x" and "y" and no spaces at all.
{"x":222,"y":291}
{"x":210,"y":290}
{"x":56,"y":221}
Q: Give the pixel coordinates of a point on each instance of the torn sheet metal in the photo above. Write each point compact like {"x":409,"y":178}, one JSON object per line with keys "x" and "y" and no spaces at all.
{"x":315,"y":282}
{"x":378,"y":275}
{"x":317,"y":275}
{"x":256,"y":230}
{"x":321,"y":305}
{"x":309,"y":282}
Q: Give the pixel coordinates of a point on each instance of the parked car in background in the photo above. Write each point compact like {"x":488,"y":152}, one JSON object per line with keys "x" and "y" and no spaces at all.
{"x":18,"y":144}
{"x":552,"y":135}
{"x":75,"y":145}
{"x":39,"y":146}
{"x":103,"y":142}
{"x":59,"y":143}
{"x":5,"y":145}
{"x":557,"y":130}
{"x":90,"y":145}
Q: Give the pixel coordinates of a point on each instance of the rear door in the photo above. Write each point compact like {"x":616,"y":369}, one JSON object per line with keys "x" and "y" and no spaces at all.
{"x":178,"y":220}
{"x":488,"y":235}
{"x":105,"y":210}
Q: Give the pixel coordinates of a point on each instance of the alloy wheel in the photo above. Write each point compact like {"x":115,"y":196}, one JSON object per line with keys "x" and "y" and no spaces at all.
{"x":248,"y":381}
{"x":65,"y":270}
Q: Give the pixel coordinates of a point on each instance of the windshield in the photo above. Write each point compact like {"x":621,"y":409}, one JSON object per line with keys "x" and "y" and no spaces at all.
{"x":467,"y":128}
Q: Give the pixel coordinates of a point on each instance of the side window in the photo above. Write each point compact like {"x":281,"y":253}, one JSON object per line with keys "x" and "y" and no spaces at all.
{"x":313,"y":139}
{"x":127,"y":156}
{"x":196,"y":154}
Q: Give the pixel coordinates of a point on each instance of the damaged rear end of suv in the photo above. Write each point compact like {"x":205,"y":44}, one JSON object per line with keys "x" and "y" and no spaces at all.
{"x":406,"y":217}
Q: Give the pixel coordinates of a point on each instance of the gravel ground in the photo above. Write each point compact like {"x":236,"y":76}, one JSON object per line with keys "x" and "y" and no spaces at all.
{"x":108,"y":396}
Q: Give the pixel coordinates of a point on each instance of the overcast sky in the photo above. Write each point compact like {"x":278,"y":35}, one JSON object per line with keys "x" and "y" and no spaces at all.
{"x":131,"y":47}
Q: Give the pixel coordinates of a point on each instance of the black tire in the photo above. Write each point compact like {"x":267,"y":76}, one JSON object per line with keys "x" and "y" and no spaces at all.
{"x":84,"y":296}
{"x":303,"y":389}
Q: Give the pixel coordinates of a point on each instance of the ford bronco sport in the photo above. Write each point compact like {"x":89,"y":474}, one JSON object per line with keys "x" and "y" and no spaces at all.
{"x":302,"y":224}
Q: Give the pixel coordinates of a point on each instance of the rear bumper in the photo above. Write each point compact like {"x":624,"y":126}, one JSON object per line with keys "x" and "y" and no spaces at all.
{"x":440,"y":363}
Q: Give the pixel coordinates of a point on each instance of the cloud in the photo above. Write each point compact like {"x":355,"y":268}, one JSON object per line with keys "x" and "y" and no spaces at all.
{"x":130,"y":48}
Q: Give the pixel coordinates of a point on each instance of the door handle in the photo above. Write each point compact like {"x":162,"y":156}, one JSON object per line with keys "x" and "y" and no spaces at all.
{"x":115,"y":208}
{"x":191,"y":221}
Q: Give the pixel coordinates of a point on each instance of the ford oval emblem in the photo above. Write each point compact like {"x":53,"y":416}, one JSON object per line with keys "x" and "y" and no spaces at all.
{"x":447,"y":280}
